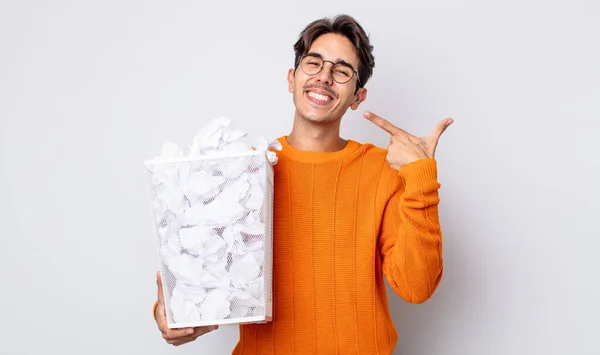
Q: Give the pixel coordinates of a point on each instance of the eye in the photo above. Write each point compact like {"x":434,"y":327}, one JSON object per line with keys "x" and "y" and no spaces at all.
{"x":342,"y":71}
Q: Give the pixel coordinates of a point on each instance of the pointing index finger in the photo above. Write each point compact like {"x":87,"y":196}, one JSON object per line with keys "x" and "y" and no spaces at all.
{"x":382,"y":123}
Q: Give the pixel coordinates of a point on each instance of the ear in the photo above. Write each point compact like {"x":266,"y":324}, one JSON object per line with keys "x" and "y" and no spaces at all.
{"x":290,"y":79}
{"x":361,"y":95}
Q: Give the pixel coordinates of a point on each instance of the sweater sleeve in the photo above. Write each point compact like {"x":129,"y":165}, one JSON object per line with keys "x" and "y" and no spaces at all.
{"x":410,"y":239}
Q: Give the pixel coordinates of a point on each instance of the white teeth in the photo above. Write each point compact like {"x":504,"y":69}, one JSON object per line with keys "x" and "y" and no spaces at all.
{"x":318,"y":96}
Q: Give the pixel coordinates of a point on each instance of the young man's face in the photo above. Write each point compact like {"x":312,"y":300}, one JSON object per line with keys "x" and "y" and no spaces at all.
{"x":319,"y":98}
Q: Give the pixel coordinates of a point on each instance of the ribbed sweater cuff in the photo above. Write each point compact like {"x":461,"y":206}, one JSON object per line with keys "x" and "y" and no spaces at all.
{"x":417,"y":174}
{"x":154,"y":309}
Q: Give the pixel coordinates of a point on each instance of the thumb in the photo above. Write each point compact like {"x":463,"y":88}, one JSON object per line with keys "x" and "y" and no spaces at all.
{"x":161,"y":297}
{"x":440,"y":128}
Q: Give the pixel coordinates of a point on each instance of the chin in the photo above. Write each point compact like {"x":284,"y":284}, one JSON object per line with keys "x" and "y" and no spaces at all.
{"x":319,"y":118}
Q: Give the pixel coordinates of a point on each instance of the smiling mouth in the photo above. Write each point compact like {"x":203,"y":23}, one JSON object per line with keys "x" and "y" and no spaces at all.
{"x":319,"y":98}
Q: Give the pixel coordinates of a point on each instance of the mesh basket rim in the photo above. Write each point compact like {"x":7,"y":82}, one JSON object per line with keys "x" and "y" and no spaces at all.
{"x":159,"y":161}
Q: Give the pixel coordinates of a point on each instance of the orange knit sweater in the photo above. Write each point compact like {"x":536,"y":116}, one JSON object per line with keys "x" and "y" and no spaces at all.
{"x":342,"y":221}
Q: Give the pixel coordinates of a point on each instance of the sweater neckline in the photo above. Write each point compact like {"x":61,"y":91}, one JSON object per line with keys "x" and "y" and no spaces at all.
{"x":316,"y":157}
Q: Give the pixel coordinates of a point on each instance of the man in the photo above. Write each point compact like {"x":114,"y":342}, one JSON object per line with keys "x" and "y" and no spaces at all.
{"x":345,"y":214}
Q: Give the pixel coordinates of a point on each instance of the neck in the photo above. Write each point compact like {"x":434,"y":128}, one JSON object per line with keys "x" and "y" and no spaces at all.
{"x":316,"y":137}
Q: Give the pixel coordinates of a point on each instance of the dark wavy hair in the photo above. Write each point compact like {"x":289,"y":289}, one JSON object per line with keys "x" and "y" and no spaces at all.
{"x":348,"y":27}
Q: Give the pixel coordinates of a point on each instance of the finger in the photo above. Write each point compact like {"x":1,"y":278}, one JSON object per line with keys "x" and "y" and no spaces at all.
{"x":181,"y":340}
{"x":175,"y":334}
{"x":161,"y":298}
{"x":198,"y":331}
{"x":440,"y":128}
{"x":382,"y":123}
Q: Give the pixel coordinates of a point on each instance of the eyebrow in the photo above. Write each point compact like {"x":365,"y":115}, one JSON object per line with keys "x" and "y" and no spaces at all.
{"x":338,"y":61}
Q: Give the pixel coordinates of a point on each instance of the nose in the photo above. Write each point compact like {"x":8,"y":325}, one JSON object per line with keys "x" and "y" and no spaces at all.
{"x":326,"y":73}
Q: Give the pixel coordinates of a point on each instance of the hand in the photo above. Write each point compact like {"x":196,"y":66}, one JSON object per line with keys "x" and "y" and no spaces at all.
{"x":176,"y":337}
{"x":405,"y":148}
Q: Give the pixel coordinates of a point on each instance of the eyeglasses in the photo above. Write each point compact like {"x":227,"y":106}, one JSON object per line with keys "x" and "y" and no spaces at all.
{"x":342,"y":72}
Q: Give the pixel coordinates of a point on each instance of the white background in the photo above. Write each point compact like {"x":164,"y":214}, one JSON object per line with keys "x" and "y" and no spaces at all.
{"x":88,"y":90}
